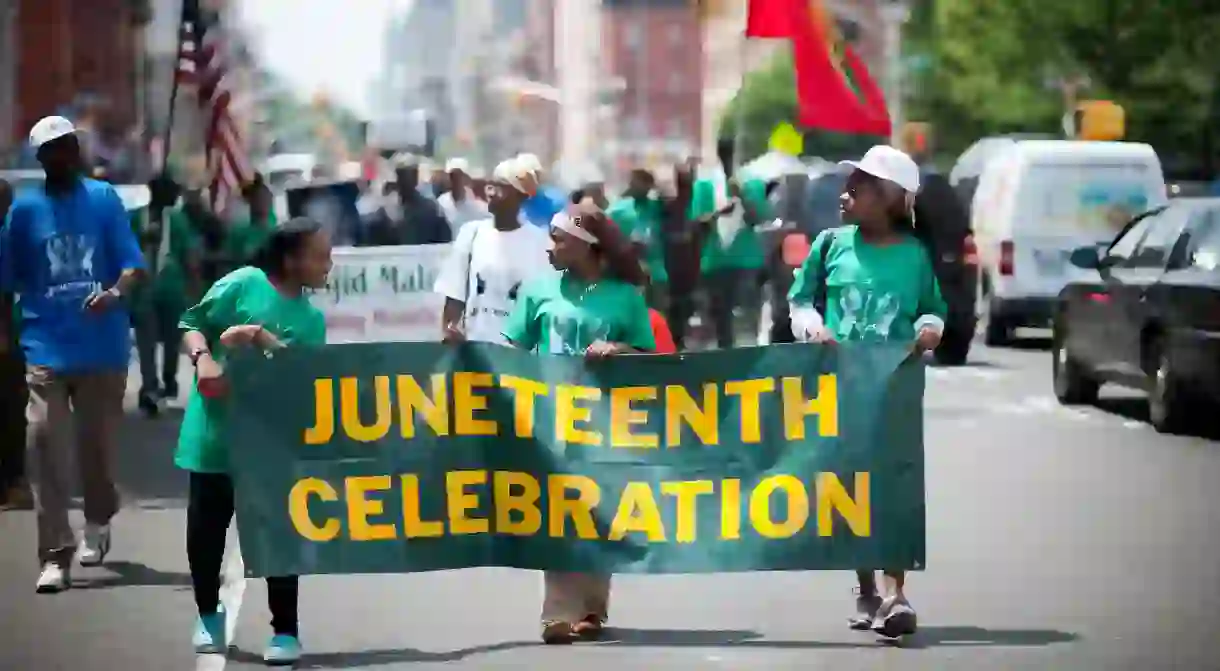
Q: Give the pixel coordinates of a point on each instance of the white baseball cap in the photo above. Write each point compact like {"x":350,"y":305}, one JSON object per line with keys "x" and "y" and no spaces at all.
{"x":48,"y":129}
{"x":529,"y":163}
{"x":892,"y":165}
{"x":457,"y":164}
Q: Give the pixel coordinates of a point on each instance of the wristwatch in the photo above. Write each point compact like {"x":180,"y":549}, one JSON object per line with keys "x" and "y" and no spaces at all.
{"x":196,"y":353}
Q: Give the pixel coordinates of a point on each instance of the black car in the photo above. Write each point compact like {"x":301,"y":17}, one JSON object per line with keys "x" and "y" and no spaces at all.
{"x":1150,"y":320}
{"x":937,"y":209}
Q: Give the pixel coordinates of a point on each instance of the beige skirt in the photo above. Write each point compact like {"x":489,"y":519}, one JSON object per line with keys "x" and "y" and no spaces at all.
{"x":571,"y":597}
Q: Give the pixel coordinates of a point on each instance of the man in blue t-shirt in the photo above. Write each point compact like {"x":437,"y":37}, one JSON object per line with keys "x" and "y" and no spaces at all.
{"x":67,"y":251}
{"x":544,"y":201}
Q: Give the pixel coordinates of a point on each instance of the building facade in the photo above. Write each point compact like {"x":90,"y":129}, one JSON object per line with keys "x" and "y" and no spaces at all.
{"x":71,"y":54}
{"x":660,"y":109}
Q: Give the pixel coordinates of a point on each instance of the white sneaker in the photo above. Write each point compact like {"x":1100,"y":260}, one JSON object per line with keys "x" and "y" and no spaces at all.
{"x":94,"y":545}
{"x":53,"y":579}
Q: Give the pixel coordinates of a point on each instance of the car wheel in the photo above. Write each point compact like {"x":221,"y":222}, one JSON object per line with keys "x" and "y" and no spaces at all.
{"x":1168,"y":402}
{"x":1073,"y":384}
{"x":954,"y":347}
{"x":996,"y":331}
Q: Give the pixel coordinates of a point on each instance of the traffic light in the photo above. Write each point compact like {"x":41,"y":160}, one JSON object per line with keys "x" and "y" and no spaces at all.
{"x":1100,"y":120}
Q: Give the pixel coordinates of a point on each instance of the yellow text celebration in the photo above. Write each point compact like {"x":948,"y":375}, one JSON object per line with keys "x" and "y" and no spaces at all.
{"x":517,"y":507}
{"x":403,"y":402}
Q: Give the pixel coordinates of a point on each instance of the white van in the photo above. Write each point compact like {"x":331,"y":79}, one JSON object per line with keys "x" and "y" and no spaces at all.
{"x":1035,"y":203}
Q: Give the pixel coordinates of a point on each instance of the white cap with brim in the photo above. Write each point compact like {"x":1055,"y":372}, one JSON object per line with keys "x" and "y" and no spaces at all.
{"x":457,"y":165}
{"x":529,"y":163}
{"x":50,"y":129}
{"x":893,"y":165}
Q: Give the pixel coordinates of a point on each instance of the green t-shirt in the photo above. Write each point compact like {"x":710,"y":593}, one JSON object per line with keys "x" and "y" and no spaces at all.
{"x":873,"y":292}
{"x":745,"y":251}
{"x":244,"y":296}
{"x":245,"y":238}
{"x":560,"y":314}
{"x":170,"y":284}
{"x":640,"y":220}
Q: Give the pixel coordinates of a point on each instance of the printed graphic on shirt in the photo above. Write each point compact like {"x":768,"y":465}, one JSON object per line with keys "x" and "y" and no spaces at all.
{"x":571,"y":335}
{"x":70,"y":259}
{"x":495,"y":293}
{"x":866,"y":315}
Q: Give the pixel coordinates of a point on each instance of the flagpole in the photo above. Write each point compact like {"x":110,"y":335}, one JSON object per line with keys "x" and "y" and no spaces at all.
{"x":173,"y":88}
{"x":739,"y":132}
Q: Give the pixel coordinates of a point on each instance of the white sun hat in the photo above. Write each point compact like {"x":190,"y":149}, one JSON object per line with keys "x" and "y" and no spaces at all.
{"x":893,"y":165}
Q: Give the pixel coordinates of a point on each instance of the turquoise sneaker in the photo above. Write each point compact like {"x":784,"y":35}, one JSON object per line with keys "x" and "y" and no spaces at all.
{"x":283,"y":650}
{"x":209,"y":637}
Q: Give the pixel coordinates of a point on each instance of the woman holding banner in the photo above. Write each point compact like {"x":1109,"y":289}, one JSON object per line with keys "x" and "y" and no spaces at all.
{"x":490,"y":260}
{"x":592,"y":307}
{"x":873,"y":280}
{"x":263,"y":305}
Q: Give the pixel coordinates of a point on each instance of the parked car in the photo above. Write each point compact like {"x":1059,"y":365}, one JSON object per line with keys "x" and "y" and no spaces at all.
{"x":1149,"y":317}
{"x":954,"y":259}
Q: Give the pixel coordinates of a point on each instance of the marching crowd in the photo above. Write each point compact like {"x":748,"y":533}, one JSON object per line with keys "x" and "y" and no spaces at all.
{"x":579,"y":275}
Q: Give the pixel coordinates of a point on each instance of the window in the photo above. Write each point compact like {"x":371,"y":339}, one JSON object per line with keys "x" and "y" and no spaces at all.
{"x":1203,"y":243}
{"x":676,"y":35}
{"x":1124,"y":246}
{"x":633,"y":35}
{"x":676,"y":82}
{"x":1154,"y":249}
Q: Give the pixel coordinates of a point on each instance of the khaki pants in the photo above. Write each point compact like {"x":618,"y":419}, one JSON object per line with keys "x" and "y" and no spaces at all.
{"x":92,"y":404}
{"x":570,"y":597}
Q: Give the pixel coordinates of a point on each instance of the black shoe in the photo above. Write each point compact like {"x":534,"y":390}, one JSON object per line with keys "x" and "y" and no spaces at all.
{"x":149,"y":404}
{"x":170,"y":392}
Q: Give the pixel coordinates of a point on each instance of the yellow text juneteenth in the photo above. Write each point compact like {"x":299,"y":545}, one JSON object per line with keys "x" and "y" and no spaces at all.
{"x":516,"y":497}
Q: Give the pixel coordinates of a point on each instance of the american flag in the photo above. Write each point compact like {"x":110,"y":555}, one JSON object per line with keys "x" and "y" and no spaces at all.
{"x":202,"y":67}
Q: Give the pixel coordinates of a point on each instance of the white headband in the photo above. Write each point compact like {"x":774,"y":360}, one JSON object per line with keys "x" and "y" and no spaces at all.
{"x":570,"y":226}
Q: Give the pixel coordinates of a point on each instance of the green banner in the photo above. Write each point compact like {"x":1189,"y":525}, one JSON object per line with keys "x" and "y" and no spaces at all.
{"x":403,"y":457}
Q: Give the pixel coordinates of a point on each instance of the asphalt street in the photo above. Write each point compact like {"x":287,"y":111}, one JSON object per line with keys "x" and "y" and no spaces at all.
{"x":1062,"y":539}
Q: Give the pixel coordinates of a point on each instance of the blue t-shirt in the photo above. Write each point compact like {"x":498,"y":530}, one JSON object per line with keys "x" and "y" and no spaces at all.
{"x":54,"y":253}
{"x":543,"y":206}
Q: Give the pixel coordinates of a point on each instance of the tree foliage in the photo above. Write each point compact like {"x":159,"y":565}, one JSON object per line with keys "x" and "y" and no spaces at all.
{"x":996,"y":66}
{"x":767,"y":98}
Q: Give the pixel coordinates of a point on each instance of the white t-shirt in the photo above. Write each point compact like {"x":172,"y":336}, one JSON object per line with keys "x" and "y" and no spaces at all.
{"x":485,"y":269}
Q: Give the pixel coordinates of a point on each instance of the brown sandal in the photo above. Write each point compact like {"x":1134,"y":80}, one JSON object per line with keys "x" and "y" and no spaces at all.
{"x":590,"y":628}
{"x":559,"y":633}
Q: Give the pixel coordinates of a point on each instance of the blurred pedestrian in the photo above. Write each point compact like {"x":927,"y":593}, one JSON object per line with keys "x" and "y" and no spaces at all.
{"x":176,"y":284}
{"x":684,"y":231}
{"x":733,"y":255}
{"x":873,"y":280}
{"x":638,"y":216}
{"x":248,"y":234}
{"x":14,"y":492}
{"x":592,"y":307}
{"x":459,"y":203}
{"x":544,"y":201}
{"x":263,"y":305}
{"x":412,"y":219}
{"x":489,"y":262}
{"x":69,"y":253}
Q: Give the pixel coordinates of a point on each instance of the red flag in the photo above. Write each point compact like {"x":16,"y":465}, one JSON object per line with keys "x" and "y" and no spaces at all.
{"x":834,"y":88}
{"x":769,"y":19}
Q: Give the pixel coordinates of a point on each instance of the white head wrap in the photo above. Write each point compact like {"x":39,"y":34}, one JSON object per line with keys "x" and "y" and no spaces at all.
{"x":571,"y":225}
{"x":460,"y":164}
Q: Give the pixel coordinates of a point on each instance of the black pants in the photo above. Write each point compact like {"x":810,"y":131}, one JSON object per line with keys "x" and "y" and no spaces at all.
{"x":680,"y":309}
{"x":13,"y":397}
{"x":728,"y":289}
{"x":208,"y":513}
